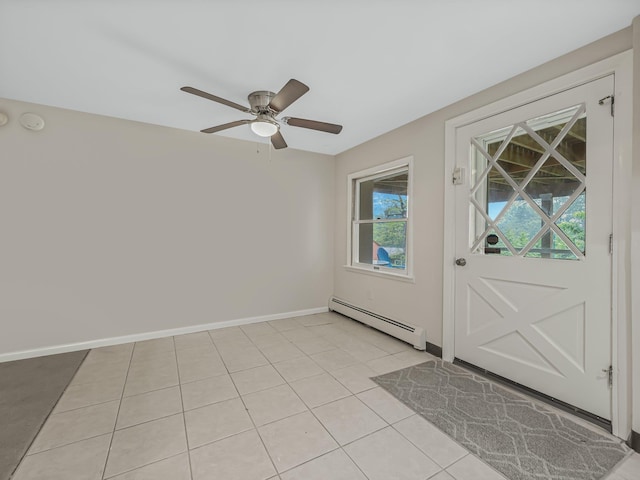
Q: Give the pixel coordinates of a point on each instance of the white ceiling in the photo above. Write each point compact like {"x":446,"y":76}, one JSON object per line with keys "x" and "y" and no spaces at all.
{"x":372,"y":65}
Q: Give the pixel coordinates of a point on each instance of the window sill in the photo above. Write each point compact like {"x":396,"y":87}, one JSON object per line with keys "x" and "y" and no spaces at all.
{"x":381,"y":274}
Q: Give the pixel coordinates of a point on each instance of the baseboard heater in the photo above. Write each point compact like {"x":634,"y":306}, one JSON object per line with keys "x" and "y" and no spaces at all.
{"x":416,"y":336}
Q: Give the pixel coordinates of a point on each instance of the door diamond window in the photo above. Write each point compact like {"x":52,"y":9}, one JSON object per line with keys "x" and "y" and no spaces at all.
{"x":528,"y":188}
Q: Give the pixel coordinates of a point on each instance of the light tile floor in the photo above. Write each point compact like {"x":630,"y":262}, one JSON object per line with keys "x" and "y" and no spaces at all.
{"x":288,"y":399}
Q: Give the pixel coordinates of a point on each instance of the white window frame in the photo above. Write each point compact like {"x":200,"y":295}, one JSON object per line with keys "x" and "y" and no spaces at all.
{"x":353,"y":179}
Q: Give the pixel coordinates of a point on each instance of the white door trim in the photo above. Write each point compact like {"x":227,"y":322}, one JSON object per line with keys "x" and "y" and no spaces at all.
{"x":621,"y":66}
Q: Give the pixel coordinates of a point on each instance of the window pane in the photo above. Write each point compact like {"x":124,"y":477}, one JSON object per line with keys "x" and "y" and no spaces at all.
{"x":552,"y":182}
{"x":543,"y":158}
{"x":384,"y":197}
{"x":520,"y":223}
{"x":551,"y":246}
{"x":517,"y":158}
{"x":572,"y":222}
{"x":383,"y":243}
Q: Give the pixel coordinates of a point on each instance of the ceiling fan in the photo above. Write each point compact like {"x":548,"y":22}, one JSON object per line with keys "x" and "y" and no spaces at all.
{"x":266,"y":106}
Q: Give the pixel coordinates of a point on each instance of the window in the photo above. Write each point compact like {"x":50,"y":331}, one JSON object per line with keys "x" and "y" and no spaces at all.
{"x":380,"y":222}
{"x":528,"y":195}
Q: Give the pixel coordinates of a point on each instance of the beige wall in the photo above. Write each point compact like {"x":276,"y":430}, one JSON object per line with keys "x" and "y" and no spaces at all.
{"x":420,"y":303}
{"x":111,"y":228}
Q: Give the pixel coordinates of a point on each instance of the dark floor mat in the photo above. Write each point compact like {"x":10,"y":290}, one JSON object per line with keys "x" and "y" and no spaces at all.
{"x":29,"y":389}
{"x":519,"y":437}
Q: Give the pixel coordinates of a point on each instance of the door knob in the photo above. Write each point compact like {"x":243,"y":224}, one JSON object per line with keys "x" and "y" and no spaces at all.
{"x":461,"y":262}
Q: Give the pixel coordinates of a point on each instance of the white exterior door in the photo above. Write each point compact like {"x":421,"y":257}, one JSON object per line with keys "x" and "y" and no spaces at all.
{"x":533,"y":224}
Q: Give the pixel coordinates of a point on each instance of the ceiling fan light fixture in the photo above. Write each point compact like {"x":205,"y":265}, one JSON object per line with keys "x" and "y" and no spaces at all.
{"x":264,"y":128}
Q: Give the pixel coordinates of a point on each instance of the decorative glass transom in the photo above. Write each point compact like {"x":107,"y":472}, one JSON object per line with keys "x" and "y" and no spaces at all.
{"x":528,"y":195}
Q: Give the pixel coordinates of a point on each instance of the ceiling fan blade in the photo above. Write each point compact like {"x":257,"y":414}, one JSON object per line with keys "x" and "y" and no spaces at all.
{"x":291,"y":92}
{"x":208,"y":96}
{"x":313,"y":125}
{"x":277,"y":140}
{"x":225,"y":126}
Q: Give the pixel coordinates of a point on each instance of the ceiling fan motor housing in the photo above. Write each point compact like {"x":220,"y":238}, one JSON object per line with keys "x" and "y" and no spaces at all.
{"x":260,"y":100}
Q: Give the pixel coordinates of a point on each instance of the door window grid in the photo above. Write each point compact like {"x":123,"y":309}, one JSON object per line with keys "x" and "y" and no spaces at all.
{"x":478,"y":195}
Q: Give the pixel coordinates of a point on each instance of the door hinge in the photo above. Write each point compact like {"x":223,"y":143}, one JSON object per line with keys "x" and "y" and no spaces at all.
{"x":609,"y":372}
{"x":611,"y":244}
{"x":612,"y":101}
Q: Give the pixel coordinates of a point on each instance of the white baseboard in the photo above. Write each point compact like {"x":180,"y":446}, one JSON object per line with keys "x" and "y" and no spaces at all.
{"x":137,"y":337}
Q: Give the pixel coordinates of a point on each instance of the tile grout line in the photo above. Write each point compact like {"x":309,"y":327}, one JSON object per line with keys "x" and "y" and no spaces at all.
{"x":175,"y":350}
{"x":220,"y":355}
{"x":255,"y":427}
{"x":387,"y":425}
{"x":289,"y":416}
{"x":184,"y":420}
{"x":148,"y":421}
{"x":102,"y":402}
{"x":150,"y":391}
{"x":310,"y":410}
{"x":275,"y":469}
{"x":145,"y":465}
{"x":341,"y":447}
{"x":67,"y":444}
{"x":442,"y":469}
{"x":115,"y":421}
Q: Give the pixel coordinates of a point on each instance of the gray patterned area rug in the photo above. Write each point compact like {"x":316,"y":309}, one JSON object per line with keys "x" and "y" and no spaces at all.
{"x":515,"y":435}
